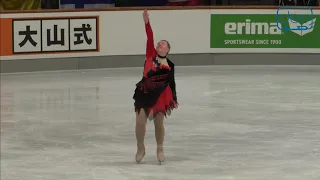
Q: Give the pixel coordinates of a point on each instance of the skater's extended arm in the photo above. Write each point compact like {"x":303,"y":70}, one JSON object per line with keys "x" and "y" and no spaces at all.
{"x":150,"y":51}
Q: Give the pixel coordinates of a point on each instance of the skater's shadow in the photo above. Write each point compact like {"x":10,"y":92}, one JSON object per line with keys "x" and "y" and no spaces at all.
{"x":145,"y":161}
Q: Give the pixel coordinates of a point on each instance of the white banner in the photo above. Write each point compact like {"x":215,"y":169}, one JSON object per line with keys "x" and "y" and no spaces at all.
{"x":109,"y":33}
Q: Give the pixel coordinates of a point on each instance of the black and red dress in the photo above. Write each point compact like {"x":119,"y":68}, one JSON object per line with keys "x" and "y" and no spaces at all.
{"x":156,"y":92}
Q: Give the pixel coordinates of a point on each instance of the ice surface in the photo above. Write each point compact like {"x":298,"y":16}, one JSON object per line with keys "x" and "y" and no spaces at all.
{"x":234,"y":123}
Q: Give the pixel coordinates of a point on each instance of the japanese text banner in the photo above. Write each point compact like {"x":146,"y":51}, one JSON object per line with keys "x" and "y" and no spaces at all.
{"x":49,"y":35}
{"x":20,"y":5}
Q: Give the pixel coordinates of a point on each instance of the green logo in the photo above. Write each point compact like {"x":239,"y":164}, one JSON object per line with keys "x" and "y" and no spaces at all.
{"x":263,"y":31}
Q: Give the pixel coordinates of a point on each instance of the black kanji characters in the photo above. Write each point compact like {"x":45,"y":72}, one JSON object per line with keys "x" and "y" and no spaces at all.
{"x":82,"y":32}
{"x":28,"y":37}
{"x":55,"y":40}
{"x":55,"y":35}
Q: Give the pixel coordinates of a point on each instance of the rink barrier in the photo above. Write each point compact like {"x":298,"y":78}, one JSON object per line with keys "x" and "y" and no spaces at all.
{"x":111,"y":44}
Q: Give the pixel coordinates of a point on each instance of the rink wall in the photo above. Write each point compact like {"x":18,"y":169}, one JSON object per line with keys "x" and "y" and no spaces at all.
{"x":115,"y":37}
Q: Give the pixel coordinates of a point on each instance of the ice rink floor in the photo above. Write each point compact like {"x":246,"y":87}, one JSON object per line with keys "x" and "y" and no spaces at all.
{"x":233,"y":123}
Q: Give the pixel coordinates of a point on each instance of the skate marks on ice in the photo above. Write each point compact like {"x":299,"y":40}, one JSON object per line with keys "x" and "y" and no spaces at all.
{"x":234,"y":123}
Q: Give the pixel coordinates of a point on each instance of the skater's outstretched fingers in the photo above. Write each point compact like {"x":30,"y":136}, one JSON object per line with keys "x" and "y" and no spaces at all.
{"x":145,"y":15}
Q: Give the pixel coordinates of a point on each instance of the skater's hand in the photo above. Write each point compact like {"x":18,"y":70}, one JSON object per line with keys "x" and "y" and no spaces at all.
{"x":145,"y":16}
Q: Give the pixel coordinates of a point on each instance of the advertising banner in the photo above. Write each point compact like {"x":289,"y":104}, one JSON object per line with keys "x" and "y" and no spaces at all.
{"x":67,"y":34}
{"x":49,"y":35}
{"x":265,"y":31}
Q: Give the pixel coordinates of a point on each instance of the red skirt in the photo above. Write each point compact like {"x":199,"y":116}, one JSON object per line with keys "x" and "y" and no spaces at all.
{"x":165,"y":104}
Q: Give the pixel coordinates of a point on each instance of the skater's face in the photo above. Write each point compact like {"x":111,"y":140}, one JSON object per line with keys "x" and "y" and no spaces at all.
{"x":163,"y":47}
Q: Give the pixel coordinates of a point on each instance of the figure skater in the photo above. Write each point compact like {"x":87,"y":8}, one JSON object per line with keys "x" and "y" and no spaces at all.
{"x":155,"y":95}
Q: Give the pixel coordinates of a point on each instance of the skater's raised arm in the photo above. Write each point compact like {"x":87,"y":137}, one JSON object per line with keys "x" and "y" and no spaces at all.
{"x":150,"y":50}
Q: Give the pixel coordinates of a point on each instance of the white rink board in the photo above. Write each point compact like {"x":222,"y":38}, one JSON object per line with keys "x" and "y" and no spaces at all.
{"x":122,"y":32}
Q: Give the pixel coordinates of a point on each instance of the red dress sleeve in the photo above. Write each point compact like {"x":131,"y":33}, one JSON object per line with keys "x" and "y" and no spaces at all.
{"x":150,"y":50}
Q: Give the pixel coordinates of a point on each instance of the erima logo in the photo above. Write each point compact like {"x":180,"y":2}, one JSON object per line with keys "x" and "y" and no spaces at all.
{"x":302,"y":29}
{"x":249,"y":27}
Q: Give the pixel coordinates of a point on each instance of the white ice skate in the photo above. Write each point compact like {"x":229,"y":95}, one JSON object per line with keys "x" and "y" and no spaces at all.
{"x":140,"y":154}
{"x":160,"y":155}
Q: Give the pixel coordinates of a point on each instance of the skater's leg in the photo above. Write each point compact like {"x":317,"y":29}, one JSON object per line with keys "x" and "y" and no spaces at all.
{"x":159,"y":133}
{"x":141,"y":121}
